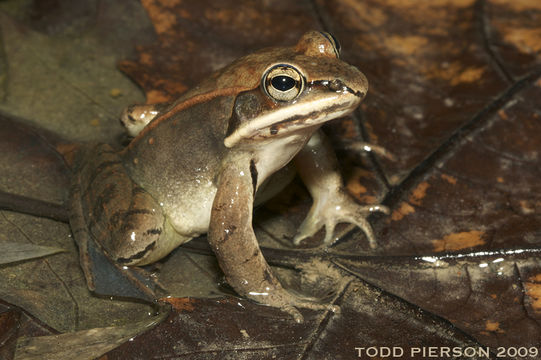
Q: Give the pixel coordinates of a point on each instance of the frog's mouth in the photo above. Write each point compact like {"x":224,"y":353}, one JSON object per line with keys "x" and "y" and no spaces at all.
{"x":312,"y":110}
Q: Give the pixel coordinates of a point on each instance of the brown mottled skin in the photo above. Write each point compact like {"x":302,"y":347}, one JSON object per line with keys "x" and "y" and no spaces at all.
{"x":197,"y":165}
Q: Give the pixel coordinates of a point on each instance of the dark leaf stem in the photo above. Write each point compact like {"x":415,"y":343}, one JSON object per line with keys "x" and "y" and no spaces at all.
{"x":35,"y":207}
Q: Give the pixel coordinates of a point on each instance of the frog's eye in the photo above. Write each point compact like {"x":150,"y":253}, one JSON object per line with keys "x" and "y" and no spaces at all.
{"x":283,"y":82}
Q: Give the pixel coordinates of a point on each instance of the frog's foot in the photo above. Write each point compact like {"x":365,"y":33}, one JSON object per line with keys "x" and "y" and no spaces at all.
{"x":290,"y":303}
{"x":334,"y":209}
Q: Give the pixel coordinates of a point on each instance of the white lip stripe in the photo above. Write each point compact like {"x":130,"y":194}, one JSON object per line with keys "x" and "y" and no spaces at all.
{"x":301,"y":109}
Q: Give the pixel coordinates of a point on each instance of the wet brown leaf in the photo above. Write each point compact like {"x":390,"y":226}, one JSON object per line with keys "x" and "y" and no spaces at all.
{"x":9,"y":333}
{"x":513,"y":36}
{"x":484,"y":180}
{"x":455,"y":89}
{"x":485,"y":295}
{"x":231,"y":328}
{"x":188,"y":48}
{"x":15,"y":323}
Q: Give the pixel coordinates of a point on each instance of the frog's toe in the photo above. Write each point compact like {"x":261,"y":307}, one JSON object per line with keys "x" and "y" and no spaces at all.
{"x":378,"y":208}
{"x":296,"y":314}
{"x":339,"y":210}
{"x":359,"y":218}
{"x":362,"y":223}
{"x":362,"y":146}
{"x":291,"y":302}
{"x":292,"y":306}
{"x":308,"y":228}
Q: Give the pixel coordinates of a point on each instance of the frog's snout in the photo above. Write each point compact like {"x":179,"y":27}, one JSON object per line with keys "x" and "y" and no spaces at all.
{"x":339,"y":86}
{"x":358,"y":83}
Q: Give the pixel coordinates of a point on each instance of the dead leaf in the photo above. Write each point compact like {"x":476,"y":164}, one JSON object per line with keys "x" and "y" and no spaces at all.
{"x":87,"y":344}
{"x":454,"y":95}
{"x":13,"y":252}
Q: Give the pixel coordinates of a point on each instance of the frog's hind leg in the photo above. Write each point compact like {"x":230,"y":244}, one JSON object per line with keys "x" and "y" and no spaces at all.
{"x":107,"y":210}
{"x":103,"y":275}
{"x":81,"y":235}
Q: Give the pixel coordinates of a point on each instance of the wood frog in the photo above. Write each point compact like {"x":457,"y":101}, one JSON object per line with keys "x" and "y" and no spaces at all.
{"x":199,"y":164}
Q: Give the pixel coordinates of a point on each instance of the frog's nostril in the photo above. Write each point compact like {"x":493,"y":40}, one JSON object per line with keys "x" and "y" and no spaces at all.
{"x":336,"y":85}
{"x":339,"y":86}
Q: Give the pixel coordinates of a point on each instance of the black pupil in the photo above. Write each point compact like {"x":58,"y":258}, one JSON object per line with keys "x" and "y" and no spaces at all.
{"x":283,"y":83}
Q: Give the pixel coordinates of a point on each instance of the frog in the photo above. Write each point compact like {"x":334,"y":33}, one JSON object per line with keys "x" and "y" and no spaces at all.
{"x":200,"y":164}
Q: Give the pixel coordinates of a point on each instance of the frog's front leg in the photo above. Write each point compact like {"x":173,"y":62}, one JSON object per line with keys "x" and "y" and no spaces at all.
{"x":135,"y":117}
{"x":232,"y":238}
{"x":318,"y":168}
